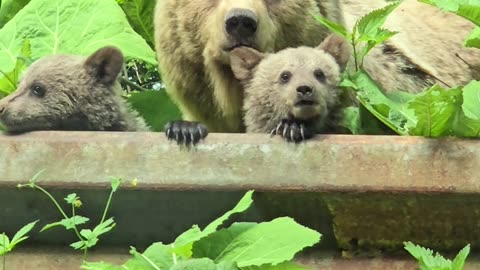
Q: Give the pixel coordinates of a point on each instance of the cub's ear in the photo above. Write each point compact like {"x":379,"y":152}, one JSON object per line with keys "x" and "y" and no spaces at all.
{"x":338,"y":47}
{"x":243,"y":60}
{"x":105,"y":64}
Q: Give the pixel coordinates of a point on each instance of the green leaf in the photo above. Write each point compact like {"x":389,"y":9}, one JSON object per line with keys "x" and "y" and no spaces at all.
{"x":115,"y":182}
{"x":203,"y":264}
{"x":157,"y":256}
{"x":459,"y":260}
{"x":9,"y":8}
{"x":428,"y":261}
{"x":473,"y":40}
{"x":214,"y":245}
{"x":155,"y":107}
{"x":73,"y":27}
{"x":184,"y":243}
{"x":71,"y":198}
{"x":104,"y":227}
{"x":393,"y":112}
{"x":20,"y":235}
{"x":471,"y":100}
{"x":9,"y":81}
{"x":4,"y":244}
{"x":351,"y":120}
{"x":265,"y":243}
{"x":435,"y":110}
{"x":368,"y":26}
{"x":140,"y":16}
{"x":68,"y":223}
{"x":332,"y":26}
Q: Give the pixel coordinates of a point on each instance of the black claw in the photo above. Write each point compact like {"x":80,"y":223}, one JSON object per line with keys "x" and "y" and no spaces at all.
{"x":185,"y":132}
{"x":292,"y":131}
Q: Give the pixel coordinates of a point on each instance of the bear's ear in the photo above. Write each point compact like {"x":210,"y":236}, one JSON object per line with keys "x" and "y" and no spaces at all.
{"x":338,"y":47}
{"x":243,"y":60}
{"x":105,"y":64}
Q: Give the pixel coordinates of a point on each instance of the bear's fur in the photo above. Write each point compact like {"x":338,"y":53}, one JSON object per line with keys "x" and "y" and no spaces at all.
{"x":293,"y":93}
{"x":429,"y":48}
{"x":192,"y":49}
{"x":69,"y":92}
{"x":192,"y":45}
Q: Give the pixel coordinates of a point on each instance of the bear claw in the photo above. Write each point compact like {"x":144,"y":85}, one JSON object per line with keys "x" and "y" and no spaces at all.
{"x":185,"y":132}
{"x":292,"y":131}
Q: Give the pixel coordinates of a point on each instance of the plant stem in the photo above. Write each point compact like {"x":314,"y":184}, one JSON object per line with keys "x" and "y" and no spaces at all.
{"x":107,"y":206}
{"x":133,"y":85}
{"x":59,"y":209}
{"x":354,"y":45}
{"x":78,"y":234}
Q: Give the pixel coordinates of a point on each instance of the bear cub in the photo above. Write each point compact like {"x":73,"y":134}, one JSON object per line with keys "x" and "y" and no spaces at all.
{"x":293,"y":93}
{"x":69,"y":92}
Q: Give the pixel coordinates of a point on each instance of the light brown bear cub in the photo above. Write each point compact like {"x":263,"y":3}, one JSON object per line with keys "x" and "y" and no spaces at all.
{"x":293,"y":93}
{"x":68,"y":92}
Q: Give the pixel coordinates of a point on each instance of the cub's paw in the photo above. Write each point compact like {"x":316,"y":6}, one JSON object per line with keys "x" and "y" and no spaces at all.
{"x":292,"y":131}
{"x":185,"y":132}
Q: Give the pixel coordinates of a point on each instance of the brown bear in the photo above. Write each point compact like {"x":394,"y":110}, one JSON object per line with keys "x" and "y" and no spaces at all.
{"x":193,"y":39}
{"x":293,"y":93}
{"x":69,"y":92}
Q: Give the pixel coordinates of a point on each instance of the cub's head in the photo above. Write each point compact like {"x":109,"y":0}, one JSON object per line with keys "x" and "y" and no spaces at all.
{"x":300,"y":82}
{"x":264,"y":25}
{"x":63,"y":92}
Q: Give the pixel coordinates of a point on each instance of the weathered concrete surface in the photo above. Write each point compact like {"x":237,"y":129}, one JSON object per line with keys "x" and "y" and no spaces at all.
{"x":64,"y":259}
{"x":365,"y":194}
{"x":239,"y":161}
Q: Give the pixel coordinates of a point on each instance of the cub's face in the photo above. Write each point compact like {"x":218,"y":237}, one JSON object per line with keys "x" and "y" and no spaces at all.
{"x":300,"y":82}
{"x":55,"y":90}
{"x":257,"y":24}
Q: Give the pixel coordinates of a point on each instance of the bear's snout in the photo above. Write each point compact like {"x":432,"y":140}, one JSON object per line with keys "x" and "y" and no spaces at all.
{"x":241,"y":24}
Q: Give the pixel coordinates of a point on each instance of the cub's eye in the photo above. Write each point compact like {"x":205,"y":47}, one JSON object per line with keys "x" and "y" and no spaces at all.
{"x":38,"y":91}
{"x":285,"y":76}
{"x":319,"y":75}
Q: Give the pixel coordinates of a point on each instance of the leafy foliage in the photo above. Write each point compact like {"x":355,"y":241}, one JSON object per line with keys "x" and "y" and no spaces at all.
{"x":140,"y":16}
{"x":8,"y":9}
{"x":70,"y":26}
{"x":7,"y":245}
{"x":263,"y":246}
{"x":428,"y":261}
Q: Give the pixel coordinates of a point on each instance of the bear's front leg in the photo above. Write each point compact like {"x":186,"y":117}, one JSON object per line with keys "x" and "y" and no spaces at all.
{"x":293,"y":130}
{"x":185,"y":132}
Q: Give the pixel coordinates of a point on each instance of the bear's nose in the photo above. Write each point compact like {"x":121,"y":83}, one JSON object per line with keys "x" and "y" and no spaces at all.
{"x":304,"y":90}
{"x":241,"y":23}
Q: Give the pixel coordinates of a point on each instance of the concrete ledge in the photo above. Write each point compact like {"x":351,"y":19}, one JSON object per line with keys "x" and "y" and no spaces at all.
{"x":365,"y":194}
{"x":240,"y":162}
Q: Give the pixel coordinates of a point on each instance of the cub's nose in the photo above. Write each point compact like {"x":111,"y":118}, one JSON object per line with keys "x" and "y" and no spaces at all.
{"x":2,"y":109}
{"x":241,"y":24}
{"x":304,"y":90}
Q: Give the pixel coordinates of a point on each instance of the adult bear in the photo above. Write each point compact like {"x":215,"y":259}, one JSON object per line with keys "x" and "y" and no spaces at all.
{"x":193,"y":41}
{"x":194,"y":38}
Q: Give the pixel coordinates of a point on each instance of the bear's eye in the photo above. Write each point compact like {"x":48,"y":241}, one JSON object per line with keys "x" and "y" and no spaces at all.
{"x":38,"y":90}
{"x":285,"y":76}
{"x":319,"y":75}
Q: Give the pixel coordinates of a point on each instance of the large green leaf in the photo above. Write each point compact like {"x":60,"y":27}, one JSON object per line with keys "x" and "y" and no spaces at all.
{"x":8,"y":9}
{"x":155,"y":107}
{"x":70,"y":26}
{"x":258,"y":244}
{"x":140,"y":16}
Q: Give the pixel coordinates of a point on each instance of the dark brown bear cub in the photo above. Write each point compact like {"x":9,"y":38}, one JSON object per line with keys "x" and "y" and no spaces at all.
{"x":293,"y":93}
{"x":68,"y":92}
